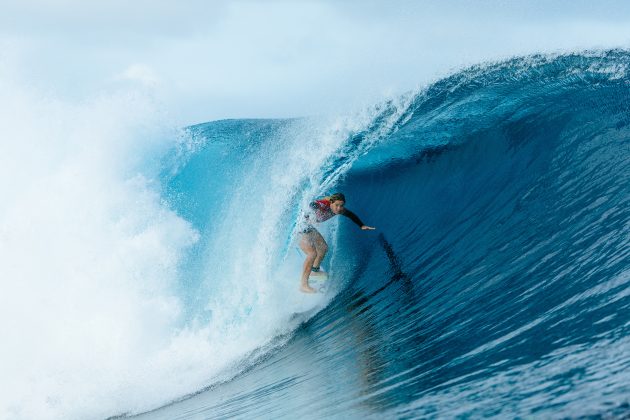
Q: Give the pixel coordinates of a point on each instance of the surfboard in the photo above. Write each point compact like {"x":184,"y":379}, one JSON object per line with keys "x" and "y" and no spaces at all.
{"x":319,"y":282}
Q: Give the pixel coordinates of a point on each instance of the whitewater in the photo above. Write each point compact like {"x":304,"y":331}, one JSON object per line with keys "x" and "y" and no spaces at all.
{"x":145,"y":271}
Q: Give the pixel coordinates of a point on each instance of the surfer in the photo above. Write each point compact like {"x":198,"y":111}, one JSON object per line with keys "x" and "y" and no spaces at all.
{"x":312,"y":242}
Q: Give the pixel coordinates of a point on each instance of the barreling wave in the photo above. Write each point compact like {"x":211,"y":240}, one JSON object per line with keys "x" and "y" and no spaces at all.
{"x":504,"y":200}
{"x":497,"y":282}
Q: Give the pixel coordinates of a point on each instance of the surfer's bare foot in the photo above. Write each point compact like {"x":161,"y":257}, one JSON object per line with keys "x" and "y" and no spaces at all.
{"x":318,"y":273}
{"x":307,"y":289}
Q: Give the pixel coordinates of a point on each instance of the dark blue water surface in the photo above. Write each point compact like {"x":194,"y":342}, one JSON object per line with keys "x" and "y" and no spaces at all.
{"x":498,"y":281}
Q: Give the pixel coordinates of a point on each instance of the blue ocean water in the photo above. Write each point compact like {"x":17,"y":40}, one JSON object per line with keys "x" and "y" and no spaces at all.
{"x":497,"y":282}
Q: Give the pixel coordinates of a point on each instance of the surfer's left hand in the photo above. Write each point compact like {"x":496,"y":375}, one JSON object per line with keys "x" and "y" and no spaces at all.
{"x":367,"y":228}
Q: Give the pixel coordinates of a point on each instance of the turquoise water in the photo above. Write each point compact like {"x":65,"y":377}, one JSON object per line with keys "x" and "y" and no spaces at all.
{"x":496,"y":284}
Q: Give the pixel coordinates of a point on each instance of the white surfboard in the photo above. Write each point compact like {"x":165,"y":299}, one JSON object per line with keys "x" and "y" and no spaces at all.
{"x":318,"y":282}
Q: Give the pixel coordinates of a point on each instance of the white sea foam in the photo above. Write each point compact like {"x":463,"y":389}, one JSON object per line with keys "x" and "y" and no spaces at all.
{"x":88,"y":254}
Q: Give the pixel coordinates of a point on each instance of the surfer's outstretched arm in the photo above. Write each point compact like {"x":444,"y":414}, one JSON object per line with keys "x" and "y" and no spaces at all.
{"x":350,"y":215}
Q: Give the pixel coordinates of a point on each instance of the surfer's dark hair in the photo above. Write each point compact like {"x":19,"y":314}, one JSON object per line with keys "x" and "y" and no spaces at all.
{"x":337,"y":197}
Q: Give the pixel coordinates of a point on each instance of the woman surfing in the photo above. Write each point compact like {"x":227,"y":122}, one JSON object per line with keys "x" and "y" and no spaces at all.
{"x":312,"y":242}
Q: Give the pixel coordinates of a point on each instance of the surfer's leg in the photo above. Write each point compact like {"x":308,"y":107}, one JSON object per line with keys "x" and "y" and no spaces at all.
{"x":321,"y":247}
{"x":306,"y":245}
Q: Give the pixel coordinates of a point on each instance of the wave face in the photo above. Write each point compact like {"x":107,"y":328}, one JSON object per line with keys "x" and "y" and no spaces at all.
{"x":145,"y":266}
{"x":498,"y":280}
